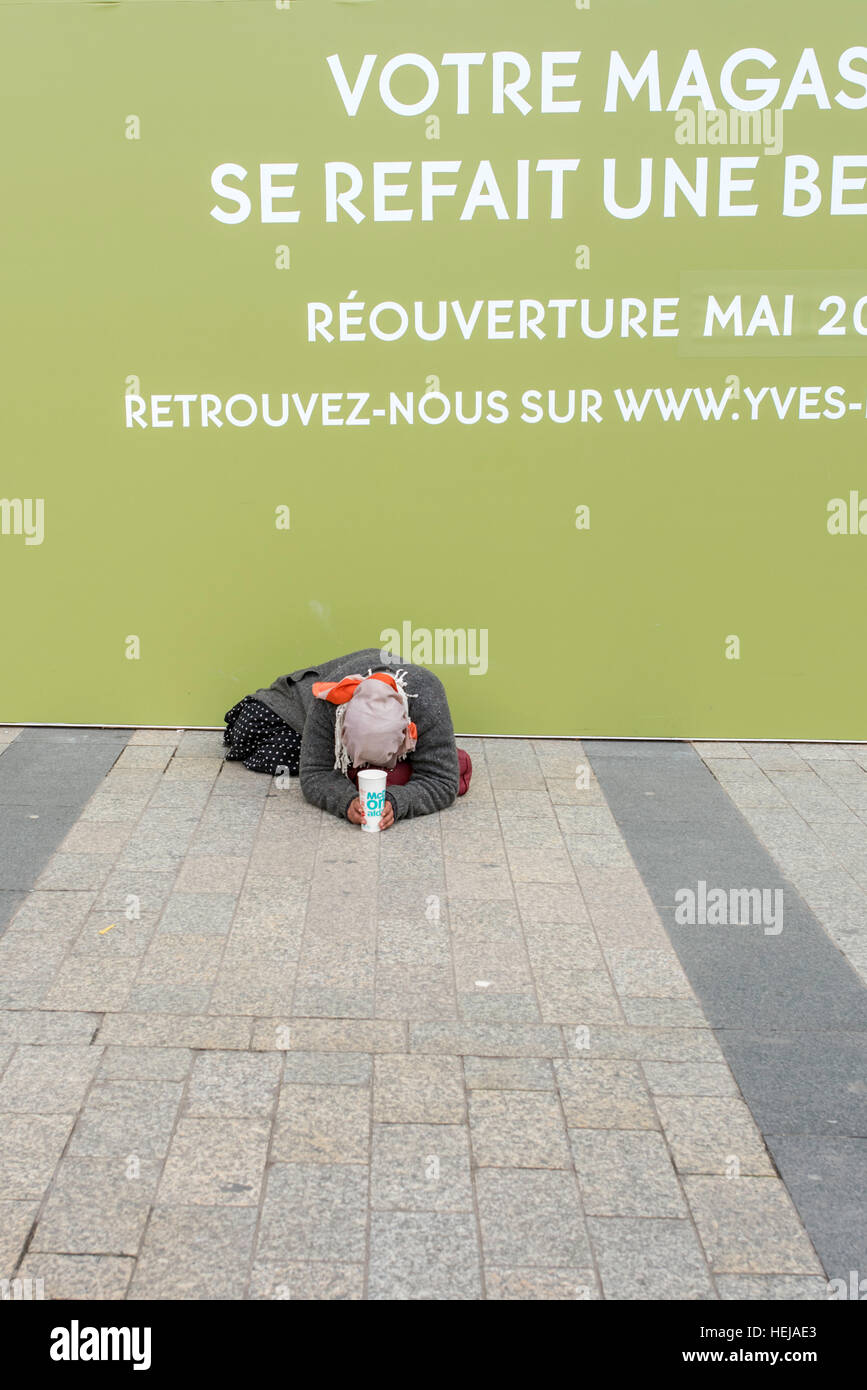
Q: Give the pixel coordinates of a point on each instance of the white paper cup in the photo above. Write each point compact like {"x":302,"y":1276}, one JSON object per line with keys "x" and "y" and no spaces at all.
{"x":371,"y":794}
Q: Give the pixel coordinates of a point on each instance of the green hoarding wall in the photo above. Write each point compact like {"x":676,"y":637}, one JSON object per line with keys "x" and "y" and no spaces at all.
{"x":656,"y":207}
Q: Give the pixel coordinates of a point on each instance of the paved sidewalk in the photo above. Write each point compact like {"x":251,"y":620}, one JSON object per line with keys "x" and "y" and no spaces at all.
{"x":248,"y":1051}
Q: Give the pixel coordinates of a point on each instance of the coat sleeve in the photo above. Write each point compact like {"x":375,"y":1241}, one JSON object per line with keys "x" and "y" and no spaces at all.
{"x":435,"y":776}
{"x":321,"y":783}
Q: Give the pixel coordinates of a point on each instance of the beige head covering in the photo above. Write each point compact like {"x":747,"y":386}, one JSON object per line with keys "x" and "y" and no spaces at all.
{"x":372,"y":727}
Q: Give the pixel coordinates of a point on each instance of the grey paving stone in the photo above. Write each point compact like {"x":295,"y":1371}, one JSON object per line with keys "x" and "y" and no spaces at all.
{"x":314,"y":1211}
{"x":504,"y":967}
{"x":58,"y":914}
{"x":212,"y":873}
{"x":644,"y":1044}
{"x":328,"y":1068}
{"x":101,"y":1277}
{"x":419,"y":1167}
{"x":233,"y":1083}
{"x":532,"y":1217}
{"x":423,"y":1255}
{"x":168,"y":1030}
{"x":75,"y":871}
{"x":774,"y":755}
{"x":406,"y":941}
{"x":418,"y":1089}
{"x":706,"y":1133}
{"x":690,"y":1079}
{"x":42,"y":1026}
{"x":129,"y":1135}
{"x":322,"y":1124}
{"x":518,"y":1129}
{"x":236,"y":780}
{"x":827,"y":1180}
{"x":525,"y":1285}
{"x":28,"y":961}
{"x":604,"y":1094}
{"x":48,"y":1080}
{"x":96,"y":985}
{"x":480,"y":921}
{"x":135,"y":1093}
{"x":328,"y":1035}
{"x":192,"y":769}
{"x":548,"y":865}
{"x":802,"y":1082}
{"x":508,"y":1073}
{"x":485,"y":1005}
{"x":487,"y":1039}
{"x":162,"y":998}
{"x":649,"y":1259}
{"x":586,"y":820}
{"x":621,"y":909}
{"x":181,"y":960}
{"x":749,"y":1226}
{"x":254,"y":988}
{"x":138,"y":755}
{"x":647,"y":974}
{"x":16,"y":1219}
{"x":145,"y":1064}
{"x":598,"y":852}
{"x":420,"y":994}
{"x":552,"y":903}
{"x":557,"y":948}
{"x":30,"y":1148}
{"x":663,"y":1013}
{"x":112,"y":807}
{"x":307,"y":1281}
{"x":141,"y":737}
{"x":821,"y":751}
{"x":180,"y":795}
{"x":111,"y":936}
{"x":200,"y":914}
{"x":216,"y":1162}
{"x":782,"y":1287}
{"x":136,"y":894}
{"x":626,"y":1173}
{"x":746,"y":783}
{"x":568,"y":994}
{"x":194,"y":1252}
{"x":481,"y":881}
{"x":94,"y":1208}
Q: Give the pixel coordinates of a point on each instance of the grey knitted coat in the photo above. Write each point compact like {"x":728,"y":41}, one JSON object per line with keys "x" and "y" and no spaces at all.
{"x":434,"y":762}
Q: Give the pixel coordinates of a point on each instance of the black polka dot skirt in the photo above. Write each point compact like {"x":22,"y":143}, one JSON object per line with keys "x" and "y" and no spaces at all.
{"x":260,"y":739}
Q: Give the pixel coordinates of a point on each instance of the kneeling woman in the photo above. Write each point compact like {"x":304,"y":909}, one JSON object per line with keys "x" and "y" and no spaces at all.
{"x":325,"y":722}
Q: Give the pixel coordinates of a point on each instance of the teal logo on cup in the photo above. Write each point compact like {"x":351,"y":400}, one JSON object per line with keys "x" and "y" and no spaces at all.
{"x":371,"y":793}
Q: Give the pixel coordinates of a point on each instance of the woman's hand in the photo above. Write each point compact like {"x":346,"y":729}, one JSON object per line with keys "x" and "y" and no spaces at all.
{"x":356,"y":815}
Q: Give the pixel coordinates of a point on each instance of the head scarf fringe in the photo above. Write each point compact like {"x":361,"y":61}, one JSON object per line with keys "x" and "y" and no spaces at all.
{"x":341,"y":752}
